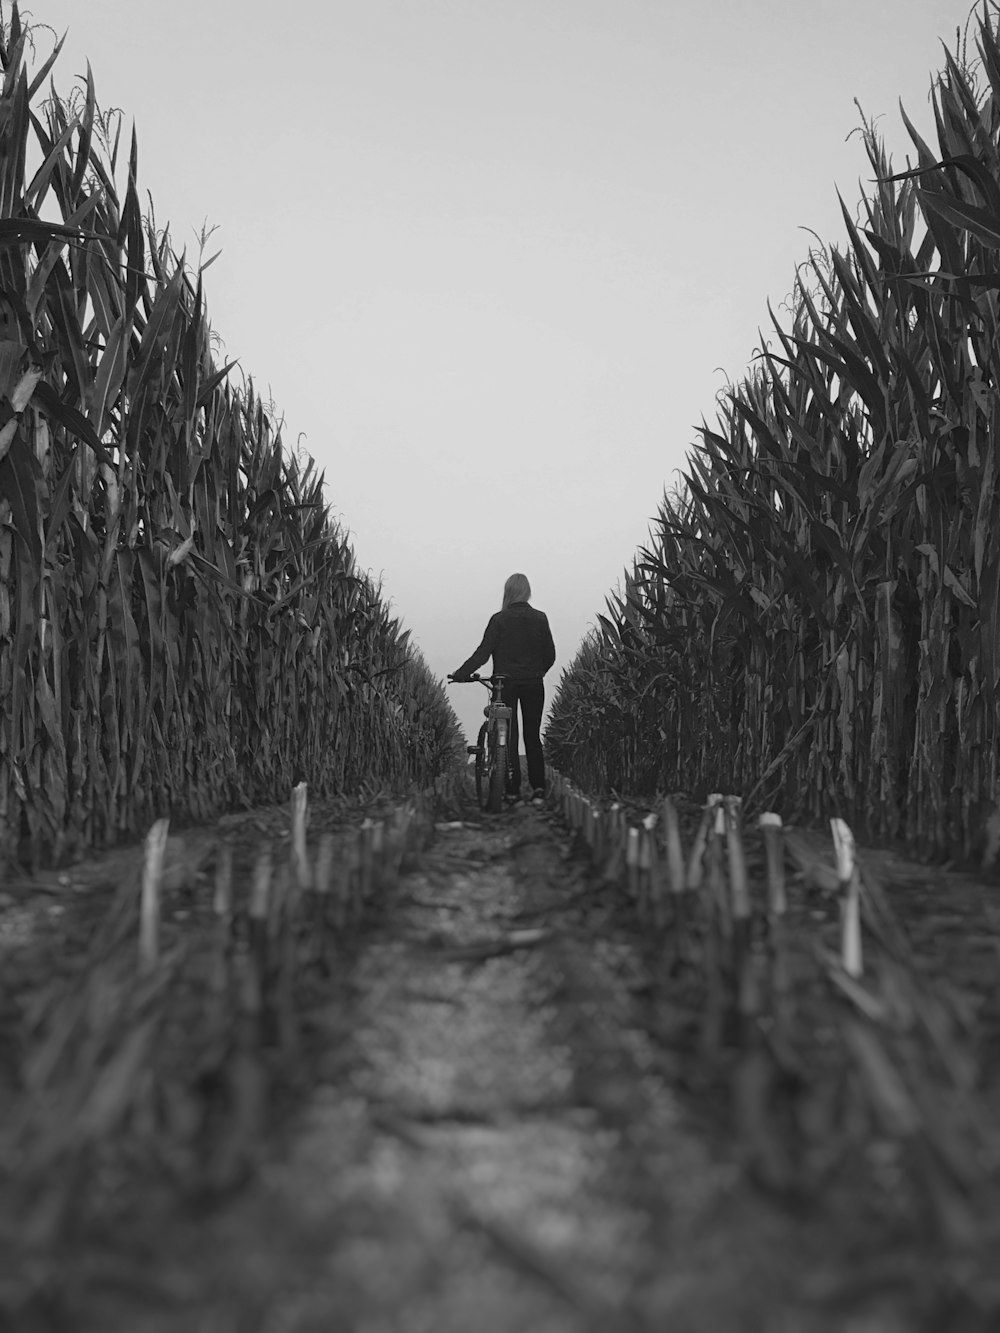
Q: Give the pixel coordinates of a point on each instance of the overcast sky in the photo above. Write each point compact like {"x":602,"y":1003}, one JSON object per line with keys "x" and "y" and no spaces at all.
{"x":493,"y":260}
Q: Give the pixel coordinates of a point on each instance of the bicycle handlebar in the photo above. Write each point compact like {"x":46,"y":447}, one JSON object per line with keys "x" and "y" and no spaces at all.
{"x":481,"y":680}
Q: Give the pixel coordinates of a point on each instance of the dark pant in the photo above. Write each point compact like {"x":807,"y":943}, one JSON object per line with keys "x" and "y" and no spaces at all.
{"x":530,"y":694}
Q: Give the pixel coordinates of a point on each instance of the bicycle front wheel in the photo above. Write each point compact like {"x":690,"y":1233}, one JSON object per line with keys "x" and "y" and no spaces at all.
{"x":482,"y":771}
{"x":498,"y":778}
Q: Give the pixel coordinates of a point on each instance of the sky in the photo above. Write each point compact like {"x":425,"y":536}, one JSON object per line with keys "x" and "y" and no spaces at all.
{"x":493,"y":260}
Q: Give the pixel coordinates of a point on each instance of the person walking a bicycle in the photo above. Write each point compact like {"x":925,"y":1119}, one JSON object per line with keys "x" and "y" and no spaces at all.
{"x":519,"y":640}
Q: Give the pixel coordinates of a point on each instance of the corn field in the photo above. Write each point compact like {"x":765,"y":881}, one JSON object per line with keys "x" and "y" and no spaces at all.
{"x":183,"y":627}
{"x":815,"y":621}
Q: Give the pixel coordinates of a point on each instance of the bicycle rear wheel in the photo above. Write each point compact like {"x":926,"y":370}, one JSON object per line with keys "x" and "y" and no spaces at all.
{"x":498,"y":778}
{"x":482,"y":771}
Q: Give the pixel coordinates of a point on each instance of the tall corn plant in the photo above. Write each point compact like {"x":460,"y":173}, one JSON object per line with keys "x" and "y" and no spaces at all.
{"x":819,"y":609}
{"x":182,"y":625}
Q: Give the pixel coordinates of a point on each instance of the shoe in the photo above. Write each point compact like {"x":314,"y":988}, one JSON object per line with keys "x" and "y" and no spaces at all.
{"x":538,"y":796}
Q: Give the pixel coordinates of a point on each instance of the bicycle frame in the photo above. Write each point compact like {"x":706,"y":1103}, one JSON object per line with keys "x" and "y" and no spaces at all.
{"x":496,"y":711}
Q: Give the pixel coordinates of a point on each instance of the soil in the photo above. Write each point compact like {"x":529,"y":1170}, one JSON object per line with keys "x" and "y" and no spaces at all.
{"x":505,"y":1101}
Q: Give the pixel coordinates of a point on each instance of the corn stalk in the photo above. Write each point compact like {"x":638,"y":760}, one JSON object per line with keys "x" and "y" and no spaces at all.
{"x":815,"y":620}
{"x":183,"y":626}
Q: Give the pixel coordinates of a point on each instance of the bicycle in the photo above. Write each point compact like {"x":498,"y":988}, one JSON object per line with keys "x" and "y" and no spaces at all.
{"x":491,"y":747}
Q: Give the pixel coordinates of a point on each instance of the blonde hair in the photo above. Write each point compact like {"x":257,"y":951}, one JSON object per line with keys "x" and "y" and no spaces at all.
{"x":516,"y":589}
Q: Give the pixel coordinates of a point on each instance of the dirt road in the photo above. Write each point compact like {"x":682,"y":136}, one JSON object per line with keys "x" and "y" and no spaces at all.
{"x":499,"y":1132}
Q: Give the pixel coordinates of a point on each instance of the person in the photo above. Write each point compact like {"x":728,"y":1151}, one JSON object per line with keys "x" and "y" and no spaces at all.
{"x":519,"y":640}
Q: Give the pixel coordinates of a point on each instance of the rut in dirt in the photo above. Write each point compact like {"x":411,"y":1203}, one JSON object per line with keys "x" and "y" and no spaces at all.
{"x":509,"y":1098}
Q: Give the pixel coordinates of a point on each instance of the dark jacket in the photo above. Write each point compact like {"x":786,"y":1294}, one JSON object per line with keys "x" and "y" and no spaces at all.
{"x":519,"y":640}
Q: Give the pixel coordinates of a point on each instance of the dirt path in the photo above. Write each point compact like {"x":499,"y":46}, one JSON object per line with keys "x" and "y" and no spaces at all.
{"x":492,"y":1143}
{"x":501,"y":1135}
